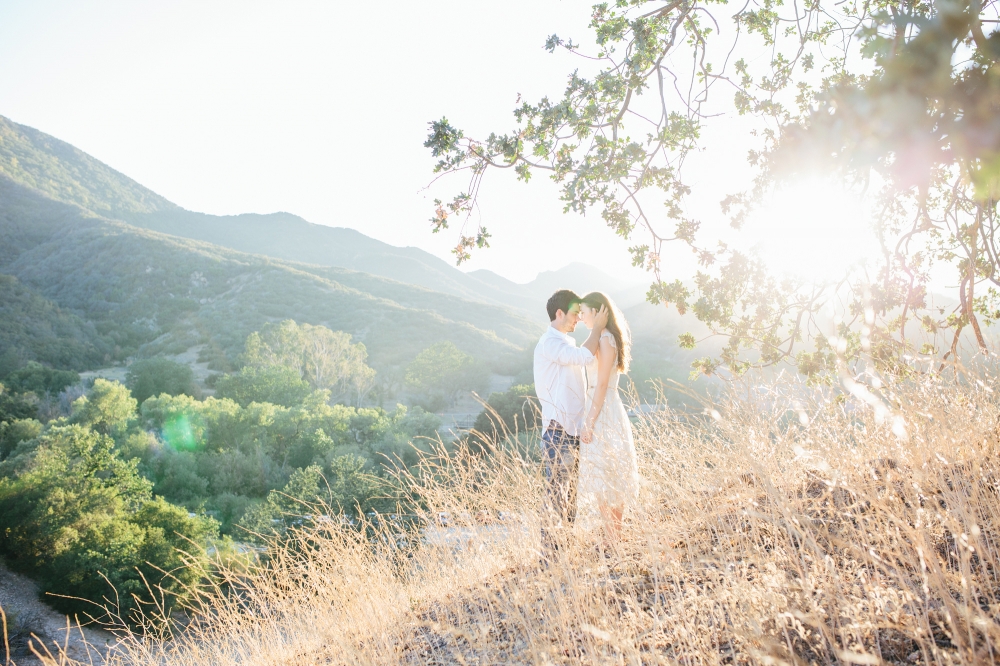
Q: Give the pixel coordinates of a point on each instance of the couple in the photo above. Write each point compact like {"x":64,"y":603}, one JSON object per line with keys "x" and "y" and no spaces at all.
{"x":587,"y":444}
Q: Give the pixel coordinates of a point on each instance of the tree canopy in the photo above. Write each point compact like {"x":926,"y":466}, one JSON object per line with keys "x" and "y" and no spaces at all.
{"x":445,"y":370}
{"x":323,"y":358}
{"x":153,"y":376}
{"x":84,"y":522}
{"x":899,"y":97}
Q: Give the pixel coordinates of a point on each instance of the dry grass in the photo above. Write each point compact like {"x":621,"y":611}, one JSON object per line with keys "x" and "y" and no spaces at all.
{"x":771,"y":534}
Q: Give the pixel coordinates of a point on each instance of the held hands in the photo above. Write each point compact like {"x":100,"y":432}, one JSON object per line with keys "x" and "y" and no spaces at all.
{"x":587,"y":433}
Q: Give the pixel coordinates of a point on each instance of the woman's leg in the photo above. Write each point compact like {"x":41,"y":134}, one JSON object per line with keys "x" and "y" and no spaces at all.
{"x":612,"y":516}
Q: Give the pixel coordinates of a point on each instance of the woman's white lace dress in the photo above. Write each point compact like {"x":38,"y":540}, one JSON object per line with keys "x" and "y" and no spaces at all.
{"x":609,"y":472}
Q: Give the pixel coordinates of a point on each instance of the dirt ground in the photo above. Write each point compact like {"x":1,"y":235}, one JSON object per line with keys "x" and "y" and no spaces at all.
{"x":26,"y":615}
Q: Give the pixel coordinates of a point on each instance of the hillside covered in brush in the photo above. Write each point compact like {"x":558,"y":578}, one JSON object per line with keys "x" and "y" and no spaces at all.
{"x":109,"y":289}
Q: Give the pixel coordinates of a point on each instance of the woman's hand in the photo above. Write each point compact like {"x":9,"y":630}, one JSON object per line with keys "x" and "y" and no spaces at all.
{"x":587,"y":434}
{"x":601,"y":319}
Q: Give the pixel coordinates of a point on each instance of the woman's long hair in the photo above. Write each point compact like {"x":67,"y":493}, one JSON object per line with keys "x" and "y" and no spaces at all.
{"x":617,"y":326}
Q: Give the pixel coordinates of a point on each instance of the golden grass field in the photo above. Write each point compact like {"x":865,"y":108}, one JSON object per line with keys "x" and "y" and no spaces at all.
{"x":770,"y":532}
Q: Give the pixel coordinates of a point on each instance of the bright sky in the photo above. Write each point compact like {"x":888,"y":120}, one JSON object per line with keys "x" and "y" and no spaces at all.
{"x":321,"y":109}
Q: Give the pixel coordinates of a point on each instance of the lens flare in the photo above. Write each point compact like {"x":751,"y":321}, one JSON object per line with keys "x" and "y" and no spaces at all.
{"x":177,"y":433}
{"x":812,"y":230}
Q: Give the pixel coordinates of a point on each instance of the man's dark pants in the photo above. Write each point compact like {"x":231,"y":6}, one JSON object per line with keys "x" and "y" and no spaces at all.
{"x":560,"y":454}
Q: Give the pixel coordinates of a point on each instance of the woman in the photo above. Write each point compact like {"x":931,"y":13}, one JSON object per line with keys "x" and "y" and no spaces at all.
{"x":609,"y":472}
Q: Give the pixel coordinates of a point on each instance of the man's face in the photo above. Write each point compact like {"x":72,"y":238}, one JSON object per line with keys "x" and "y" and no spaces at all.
{"x":570,"y":319}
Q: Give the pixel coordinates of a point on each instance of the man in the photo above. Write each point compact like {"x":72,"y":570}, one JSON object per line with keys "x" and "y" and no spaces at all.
{"x":562,"y":393}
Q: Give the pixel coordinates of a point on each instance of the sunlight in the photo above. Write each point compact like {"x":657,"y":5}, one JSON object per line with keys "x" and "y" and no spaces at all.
{"x":813,"y":230}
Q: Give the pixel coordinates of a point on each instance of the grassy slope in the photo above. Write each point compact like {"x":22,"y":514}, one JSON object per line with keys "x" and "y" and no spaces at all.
{"x":65,"y":173}
{"x":757,"y":539}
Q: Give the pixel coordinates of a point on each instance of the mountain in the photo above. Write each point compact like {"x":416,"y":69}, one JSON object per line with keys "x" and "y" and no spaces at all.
{"x":118,"y":289}
{"x":65,"y":173}
{"x":289,"y":237}
{"x":121,"y":271}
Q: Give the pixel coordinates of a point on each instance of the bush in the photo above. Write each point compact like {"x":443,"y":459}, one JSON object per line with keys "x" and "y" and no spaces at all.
{"x":155,"y":376}
{"x":14,"y":432}
{"x":77,"y":517}
{"x":40,"y":379}
{"x":347,"y":489}
{"x":15,"y":406}
{"x":513,"y":411}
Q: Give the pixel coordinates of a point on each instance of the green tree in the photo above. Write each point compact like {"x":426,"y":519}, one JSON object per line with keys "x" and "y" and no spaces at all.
{"x":14,"y":432}
{"x":74,"y":514}
{"x":347,"y":488}
{"x":275,"y":384}
{"x":153,"y":376}
{"x":40,"y":379}
{"x":107,"y":408}
{"x":900,"y":95}
{"x":513,"y":411}
{"x":15,"y":406}
{"x":325,"y":359}
{"x":444,"y":369}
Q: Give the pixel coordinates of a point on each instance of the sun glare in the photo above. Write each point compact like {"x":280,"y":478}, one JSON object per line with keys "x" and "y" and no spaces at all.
{"x":811,"y":230}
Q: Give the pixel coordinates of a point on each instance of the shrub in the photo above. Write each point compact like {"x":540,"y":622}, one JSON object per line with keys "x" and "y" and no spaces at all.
{"x":40,"y":379}
{"x":78,"y":518}
{"x":14,"y":432}
{"x":515,"y":410}
{"x":155,"y":376}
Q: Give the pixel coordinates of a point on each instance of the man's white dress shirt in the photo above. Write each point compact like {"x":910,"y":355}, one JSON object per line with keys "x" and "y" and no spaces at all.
{"x":559,"y":380}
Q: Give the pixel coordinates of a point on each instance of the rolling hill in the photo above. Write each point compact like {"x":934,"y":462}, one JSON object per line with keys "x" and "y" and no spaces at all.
{"x":64,"y":173}
{"x":115,"y":289}
{"x":118,"y":271}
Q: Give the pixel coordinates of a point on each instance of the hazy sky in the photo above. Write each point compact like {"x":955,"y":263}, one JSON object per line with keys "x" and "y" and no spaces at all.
{"x":321,"y":109}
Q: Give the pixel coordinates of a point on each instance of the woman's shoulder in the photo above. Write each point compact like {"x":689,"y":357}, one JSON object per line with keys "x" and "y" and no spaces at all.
{"x":606,"y":335}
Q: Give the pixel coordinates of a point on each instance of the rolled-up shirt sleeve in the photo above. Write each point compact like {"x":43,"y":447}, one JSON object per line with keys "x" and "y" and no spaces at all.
{"x":563,"y":353}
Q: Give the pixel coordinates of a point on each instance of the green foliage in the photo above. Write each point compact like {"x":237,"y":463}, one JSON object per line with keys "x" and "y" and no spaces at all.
{"x":14,"y":432}
{"x":15,"y":406}
{"x":444,"y":370}
{"x":40,"y":379}
{"x":325,"y":359}
{"x":348,"y":489}
{"x":275,"y":384}
{"x":107,"y":408}
{"x":33,"y":328}
{"x":77,"y":517}
{"x":153,"y":376}
{"x":507,"y":413}
{"x":222,"y":451}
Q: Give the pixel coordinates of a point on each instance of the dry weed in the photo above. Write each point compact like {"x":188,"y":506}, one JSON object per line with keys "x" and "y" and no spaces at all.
{"x":768,"y":533}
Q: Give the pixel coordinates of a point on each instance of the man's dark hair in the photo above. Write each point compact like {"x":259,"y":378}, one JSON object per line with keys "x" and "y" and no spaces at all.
{"x":563,"y":300}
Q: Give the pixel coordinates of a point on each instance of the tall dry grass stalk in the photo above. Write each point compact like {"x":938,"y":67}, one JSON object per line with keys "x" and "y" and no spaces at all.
{"x":773,"y":532}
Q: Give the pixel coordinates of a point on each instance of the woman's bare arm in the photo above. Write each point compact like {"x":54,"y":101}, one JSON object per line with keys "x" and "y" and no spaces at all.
{"x":606,"y":358}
